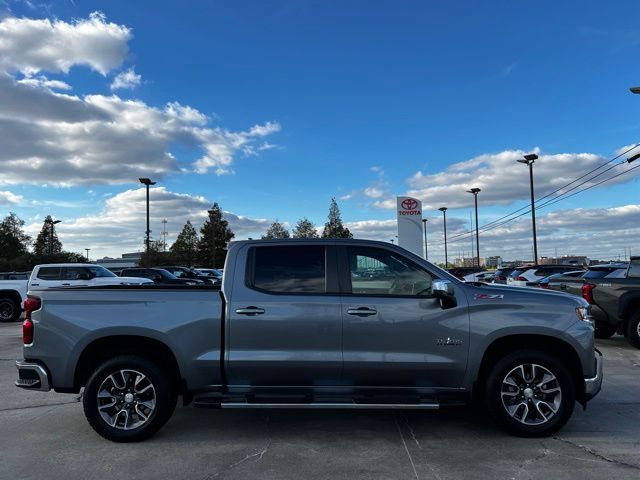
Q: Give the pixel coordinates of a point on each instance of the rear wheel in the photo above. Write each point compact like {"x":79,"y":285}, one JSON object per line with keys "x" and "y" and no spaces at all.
{"x":9,"y":310}
{"x":530,"y":393}
{"x":605,"y":330}
{"x":632,"y":331}
{"x":128,"y":399}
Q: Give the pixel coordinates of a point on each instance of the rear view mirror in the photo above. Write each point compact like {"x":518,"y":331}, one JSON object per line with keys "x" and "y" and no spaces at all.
{"x":443,"y":290}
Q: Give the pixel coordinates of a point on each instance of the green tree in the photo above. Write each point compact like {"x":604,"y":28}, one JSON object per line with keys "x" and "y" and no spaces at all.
{"x":305,"y":229}
{"x":276,"y":230}
{"x":47,"y":244}
{"x":184,"y":248}
{"x":215,"y":236}
{"x":334,"y":227}
{"x":156,"y":255}
{"x":13,"y":241}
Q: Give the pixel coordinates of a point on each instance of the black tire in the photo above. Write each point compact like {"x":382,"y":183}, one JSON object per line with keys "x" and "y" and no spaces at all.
{"x":498,"y":410}
{"x":165,"y":399}
{"x":632,"y":332}
{"x":605,"y":330}
{"x":10,"y":310}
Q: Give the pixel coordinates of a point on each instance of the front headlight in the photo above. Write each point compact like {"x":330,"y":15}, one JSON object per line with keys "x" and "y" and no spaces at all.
{"x":584,"y":314}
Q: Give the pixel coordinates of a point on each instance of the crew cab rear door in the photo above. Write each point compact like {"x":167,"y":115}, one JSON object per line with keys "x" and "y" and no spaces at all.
{"x":284,"y":325}
{"x":396,"y":334}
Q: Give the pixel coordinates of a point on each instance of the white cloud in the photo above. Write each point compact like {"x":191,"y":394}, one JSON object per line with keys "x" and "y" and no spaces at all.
{"x":373,"y":192}
{"x":501,"y":178}
{"x":119,"y":226}
{"x":34,"y":45}
{"x":128,"y":79}
{"x":8,"y":198}
{"x":580,"y":231}
{"x":41,"y":81}
{"x":61,"y":139}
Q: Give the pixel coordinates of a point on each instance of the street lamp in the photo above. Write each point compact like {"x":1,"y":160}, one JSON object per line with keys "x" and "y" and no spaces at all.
{"x":446,"y":256}
{"x":148,"y":183}
{"x":51,"y":224}
{"x":426,"y":251}
{"x":87,"y":250}
{"x":213,"y":238}
{"x":633,"y":158}
{"x":635,"y":90}
{"x":528,"y":160}
{"x":475,"y":192}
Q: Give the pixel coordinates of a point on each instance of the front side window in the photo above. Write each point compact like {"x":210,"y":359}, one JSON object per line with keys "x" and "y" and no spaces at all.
{"x":289,"y":269}
{"x":99,"y":271}
{"x":375,"y":271}
{"x":76,"y":273}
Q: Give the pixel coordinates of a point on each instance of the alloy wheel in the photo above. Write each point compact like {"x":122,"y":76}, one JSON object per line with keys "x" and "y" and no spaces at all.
{"x":126,"y":399}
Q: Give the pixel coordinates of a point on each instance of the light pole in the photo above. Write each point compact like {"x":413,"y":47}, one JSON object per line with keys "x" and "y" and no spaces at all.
{"x":426,"y":250}
{"x":148,"y":183}
{"x":51,"y":224}
{"x":213,"y":238}
{"x":528,"y":160}
{"x":446,"y":256}
{"x":475,"y":192}
{"x":87,"y":250}
{"x":635,"y":90}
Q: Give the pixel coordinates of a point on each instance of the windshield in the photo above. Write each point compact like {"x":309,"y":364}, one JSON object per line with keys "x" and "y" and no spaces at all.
{"x":99,"y":271}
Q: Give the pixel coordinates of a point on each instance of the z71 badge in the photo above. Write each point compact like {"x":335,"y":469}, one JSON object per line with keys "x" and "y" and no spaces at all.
{"x":488,"y":296}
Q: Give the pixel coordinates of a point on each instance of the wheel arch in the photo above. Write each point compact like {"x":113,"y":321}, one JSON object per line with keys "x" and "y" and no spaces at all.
{"x":503,"y":346}
{"x":102,"y":349}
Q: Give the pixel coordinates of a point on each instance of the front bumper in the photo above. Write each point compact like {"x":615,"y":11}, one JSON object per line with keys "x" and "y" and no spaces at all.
{"x":593,"y":385}
{"x":32,"y":376}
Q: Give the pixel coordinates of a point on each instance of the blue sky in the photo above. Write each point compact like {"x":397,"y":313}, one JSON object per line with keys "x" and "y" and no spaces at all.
{"x":364,"y":96}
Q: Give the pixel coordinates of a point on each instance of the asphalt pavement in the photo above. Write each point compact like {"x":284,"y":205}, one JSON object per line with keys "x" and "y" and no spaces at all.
{"x":45,"y":436}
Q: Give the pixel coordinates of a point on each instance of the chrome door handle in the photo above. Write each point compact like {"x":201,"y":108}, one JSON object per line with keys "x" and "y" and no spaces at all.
{"x":362,"y":311}
{"x":250,"y":311}
{"x":66,"y":284}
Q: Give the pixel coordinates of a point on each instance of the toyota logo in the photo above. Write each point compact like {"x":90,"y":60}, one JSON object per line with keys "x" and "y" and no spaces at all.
{"x":409,"y":204}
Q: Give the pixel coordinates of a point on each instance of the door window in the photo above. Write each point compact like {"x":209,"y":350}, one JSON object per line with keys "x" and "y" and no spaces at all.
{"x":375,"y":271}
{"x":76,"y":273}
{"x":50,"y":273}
{"x":291,"y":269}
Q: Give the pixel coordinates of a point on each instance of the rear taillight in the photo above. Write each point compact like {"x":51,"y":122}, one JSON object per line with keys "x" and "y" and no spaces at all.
{"x":544,"y":285}
{"x":587,"y":292}
{"x":501,"y":277}
{"x":521,"y":279}
{"x":30,"y":304}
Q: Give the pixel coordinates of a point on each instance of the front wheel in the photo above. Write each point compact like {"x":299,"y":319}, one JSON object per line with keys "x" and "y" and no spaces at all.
{"x":530,"y":393}
{"x":632,"y":331}
{"x":128,"y":399}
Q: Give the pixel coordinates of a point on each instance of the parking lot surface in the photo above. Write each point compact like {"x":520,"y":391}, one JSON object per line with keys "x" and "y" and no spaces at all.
{"x":45,"y":435}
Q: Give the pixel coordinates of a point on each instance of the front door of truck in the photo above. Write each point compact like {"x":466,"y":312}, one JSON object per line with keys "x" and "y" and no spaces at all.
{"x":396,"y":334}
{"x":284,"y":325}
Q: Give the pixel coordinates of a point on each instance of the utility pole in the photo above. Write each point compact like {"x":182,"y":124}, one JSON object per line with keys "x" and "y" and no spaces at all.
{"x":475,"y":192}
{"x":87,"y":250}
{"x":148,"y":183}
{"x":213,"y":238}
{"x":426,"y":250}
{"x":446,"y":256}
{"x":164,"y":235}
{"x":528,"y":160}
{"x":51,"y":224}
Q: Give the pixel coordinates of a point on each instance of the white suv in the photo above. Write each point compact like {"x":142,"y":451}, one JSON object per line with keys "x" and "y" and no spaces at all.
{"x":77,"y":274}
{"x":522,"y":278}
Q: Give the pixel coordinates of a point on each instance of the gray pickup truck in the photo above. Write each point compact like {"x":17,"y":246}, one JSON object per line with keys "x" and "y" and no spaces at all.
{"x":613,"y":290}
{"x":313,"y":324}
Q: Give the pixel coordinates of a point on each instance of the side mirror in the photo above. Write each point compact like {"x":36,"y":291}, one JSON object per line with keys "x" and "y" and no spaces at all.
{"x":443,"y":290}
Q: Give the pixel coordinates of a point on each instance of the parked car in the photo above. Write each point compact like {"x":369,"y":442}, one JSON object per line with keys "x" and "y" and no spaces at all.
{"x":613,"y":291}
{"x":500,"y":275}
{"x":462,"y":272}
{"x":544,"y":282}
{"x":13,"y":292}
{"x":14,"y":275}
{"x":76,"y":275}
{"x":159,"y":276}
{"x":515,"y":273}
{"x":190,"y":273}
{"x":538,"y":272}
{"x":210,"y":272}
{"x":295,"y":327}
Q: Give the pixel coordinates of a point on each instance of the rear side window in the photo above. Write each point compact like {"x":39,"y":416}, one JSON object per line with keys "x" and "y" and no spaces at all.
{"x":75,"y":273}
{"x":290,"y":269}
{"x":50,"y":273}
